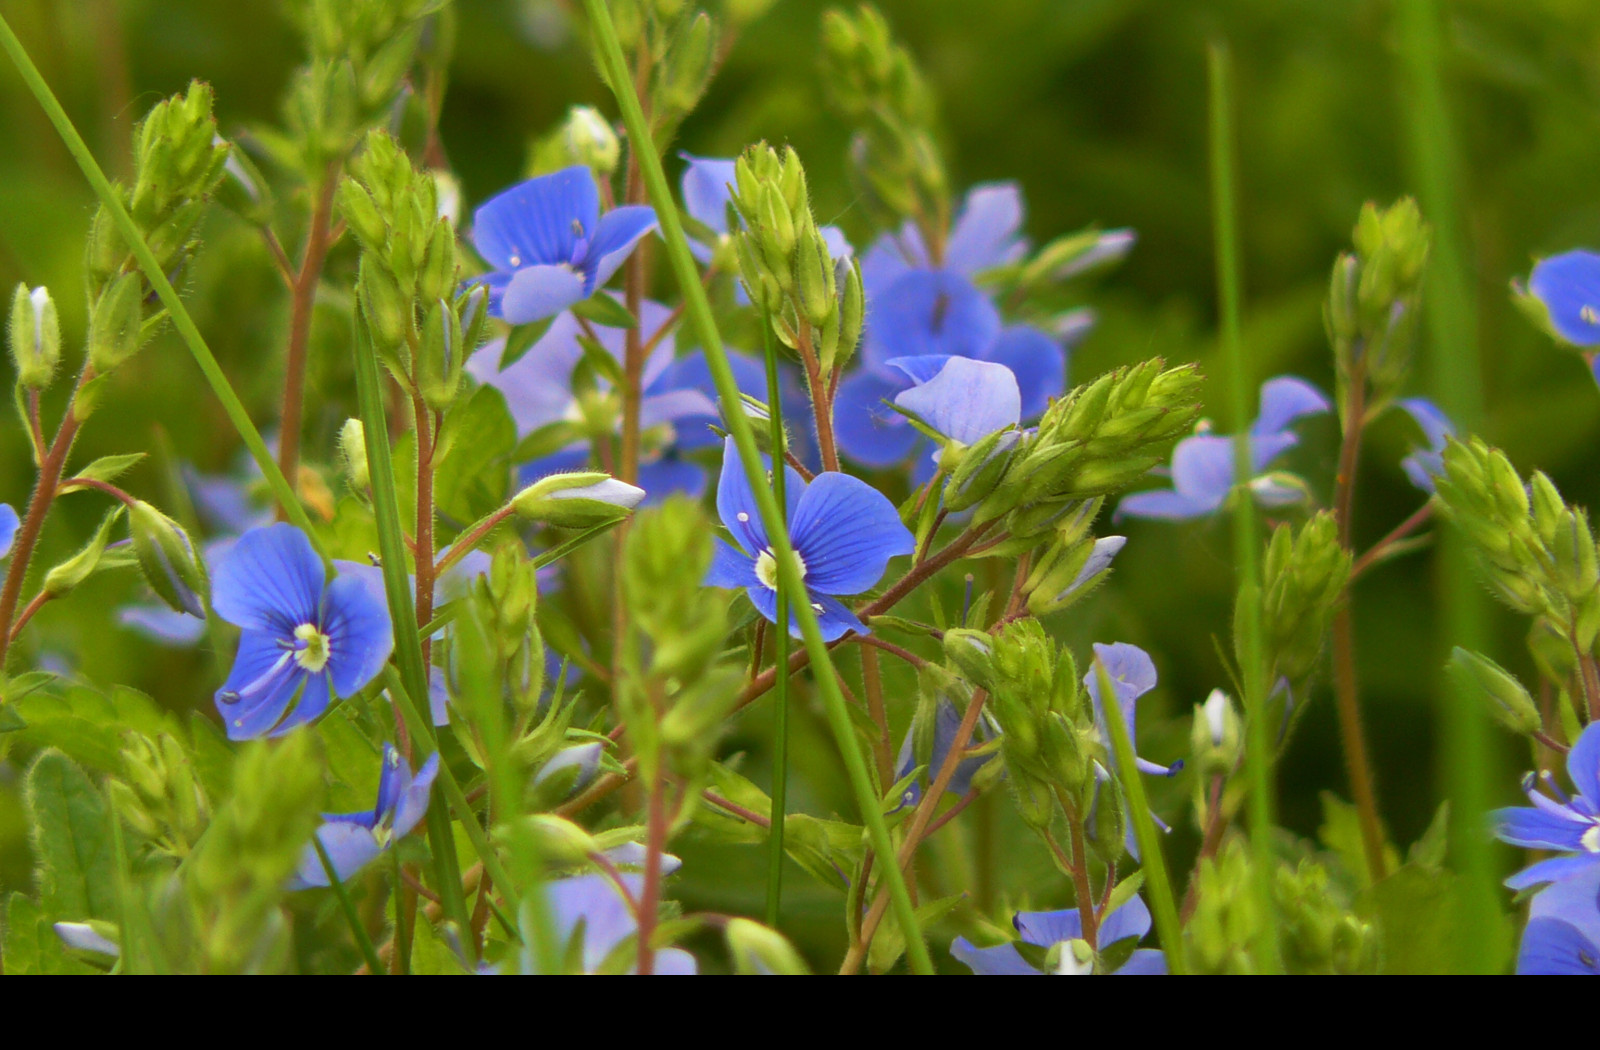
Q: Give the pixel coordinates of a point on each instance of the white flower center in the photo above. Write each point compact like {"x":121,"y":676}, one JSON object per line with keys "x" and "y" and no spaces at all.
{"x":314,"y":657}
{"x":1076,"y":959}
{"x":767,"y":568}
{"x":1591,"y":839}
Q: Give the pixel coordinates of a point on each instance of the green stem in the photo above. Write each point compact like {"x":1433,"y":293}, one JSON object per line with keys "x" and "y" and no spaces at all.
{"x":1258,"y":751}
{"x":364,"y":942}
{"x":699,"y":312}
{"x":281,"y":488}
{"x":780,"y":649}
{"x":1157,"y":883}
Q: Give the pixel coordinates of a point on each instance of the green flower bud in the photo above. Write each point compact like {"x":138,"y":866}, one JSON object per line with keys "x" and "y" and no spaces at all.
{"x":1303,"y":579}
{"x":242,"y":189}
{"x":353,"y":454}
{"x":440,"y":357}
{"x":1507,"y":700}
{"x":1216,"y":737}
{"x":578,"y":500}
{"x":852,"y":314}
{"x":438,"y":277}
{"x":168,"y":560}
{"x":35,"y":337}
{"x":814,"y":273}
{"x":590,"y":140}
{"x":387,"y":311}
{"x":980,"y":468}
{"x":755,"y":949}
{"x":70,"y":573}
{"x":561,"y":843}
{"x":115,"y":322}
{"x":1072,"y":575}
{"x":973,"y":654}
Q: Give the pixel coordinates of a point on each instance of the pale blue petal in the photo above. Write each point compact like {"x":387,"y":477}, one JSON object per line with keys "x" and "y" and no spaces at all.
{"x":1536,"y":829}
{"x":967,"y":401}
{"x":1569,"y":286}
{"x":160,"y":623}
{"x":931,"y":312}
{"x":1145,"y":961}
{"x":1000,"y":961}
{"x":413,"y":804}
{"x":736,"y":503}
{"x":537,"y":292}
{"x":1163,"y":504}
{"x":675,"y":962}
{"x":360,"y":636}
{"x":706,"y":193}
{"x":838,"y":245}
{"x":8,"y":528}
{"x":731,"y":568}
{"x":834,"y":620}
{"x":350,"y":847}
{"x":1574,"y":900}
{"x":663,"y":477}
{"x":845,"y":532}
{"x":985,"y":231}
{"x":1037,"y":361}
{"x":1583,"y":763}
{"x":1553,"y":870}
{"x":1285,"y":399}
{"x":890,"y":257}
{"x":539,"y":221}
{"x":271,"y":580}
{"x":313,"y":701}
{"x":1045,"y":928}
{"x":919,"y":369}
{"x":1202,"y":469}
{"x":620,"y":230}
{"x":259,"y":687}
{"x":1130,"y":920}
{"x":867,"y":430}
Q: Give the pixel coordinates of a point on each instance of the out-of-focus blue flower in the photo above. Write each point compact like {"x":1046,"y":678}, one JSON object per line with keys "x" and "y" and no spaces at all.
{"x":1567,"y":825}
{"x":1046,"y":929}
{"x":8,"y":528}
{"x":936,"y":313}
{"x":607,"y":920}
{"x":962,"y":399}
{"x":1202,"y":465}
{"x":946,"y":721}
{"x":1132,"y":675}
{"x":1569,"y":287}
{"x":1563,"y":931}
{"x":303,"y":636}
{"x":354,"y":840}
{"x":675,"y":413}
{"x":1425,"y":464}
{"x":550,"y":246}
{"x":844,"y":533}
{"x":986,"y":233}
{"x":706,"y":197}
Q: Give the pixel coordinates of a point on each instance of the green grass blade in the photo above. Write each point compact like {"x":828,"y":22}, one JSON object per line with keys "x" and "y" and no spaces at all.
{"x":368,"y":952}
{"x":780,"y":649}
{"x":705,"y":327}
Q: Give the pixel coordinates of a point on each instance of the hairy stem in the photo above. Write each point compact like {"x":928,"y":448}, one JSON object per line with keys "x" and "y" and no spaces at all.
{"x":302,"y":302}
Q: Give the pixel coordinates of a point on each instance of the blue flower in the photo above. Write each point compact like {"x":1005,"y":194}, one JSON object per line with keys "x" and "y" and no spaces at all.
{"x":1425,"y":464}
{"x":594,"y":908}
{"x":303,"y":637}
{"x":1202,"y":465}
{"x":962,"y":399}
{"x":1563,"y":931}
{"x":985,"y":234}
{"x":8,"y":528}
{"x":946,"y":721}
{"x":1046,"y":929}
{"x":937,"y":313}
{"x":550,"y":246}
{"x":844,"y":533}
{"x":1132,"y":675}
{"x":1569,"y":287}
{"x":1566,"y":825}
{"x":354,"y":840}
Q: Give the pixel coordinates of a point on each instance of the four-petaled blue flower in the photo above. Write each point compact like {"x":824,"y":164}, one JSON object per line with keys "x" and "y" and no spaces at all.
{"x":550,"y":246}
{"x":354,"y":840}
{"x":844,"y":533}
{"x":985,"y":234}
{"x":1569,"y":287}
{"x":303,"y":637}
{"x":1423,"y":465}
{"x":1563,"y":931}
{"x":1567,"y":825}
{"x":1047,"y":929}
{"x":1202,"y":465}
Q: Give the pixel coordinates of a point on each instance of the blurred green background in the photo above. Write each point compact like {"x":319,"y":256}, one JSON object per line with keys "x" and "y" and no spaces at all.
{"x":1097,"y":107}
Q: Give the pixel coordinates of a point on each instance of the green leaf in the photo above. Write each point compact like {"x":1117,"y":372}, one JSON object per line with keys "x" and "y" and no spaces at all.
{"x":521,"y":340}
{"x":87,"y":725}
{"x":86,"y":562}
{"x":822,"y":847}
{"x":1420,"y":914}
{"x":602,"y":309}
{"x":31,"y":945}
{"x":105,"y":468}
{"x":890,"y":944}
{"x":431,"y":956}
{"x":471,"y":474}
{"x":1341,"y":833}
{"x":1429,"y":851}
{"x":599,"y":362}
{"x":77,"y":877}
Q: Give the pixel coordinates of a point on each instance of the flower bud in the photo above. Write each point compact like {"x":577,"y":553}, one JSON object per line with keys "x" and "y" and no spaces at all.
{"x":95,"y":937}
{"x":1216,"y":738}
{"x":590,"y":140}
{"x":973,"y":654}
{"x":353,"y":454}
{"x":115,"y":322}
{"x":70,"y":573}
{"x":1074,"y":575}
{"x":1508,"y":701}
{"x":579,"y":500}
{"x":437,"y":279}
{"x":440,"y":357}
{"x":168,"y":559}
{"x":388,"y":313}
{"x":814,"y":273}
{"x":35,"y":337}
{"x":758,"y":950}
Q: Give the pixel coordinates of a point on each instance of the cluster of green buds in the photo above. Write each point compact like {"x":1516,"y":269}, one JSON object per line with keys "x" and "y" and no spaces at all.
{"x":422,"y":323}
{"x":1302,"y":580}
{"x":1371,"y":313}
{"x":1506,"y":698}
{"x":1221,"y":932}
{"x":1095,"y":441}
{"x":1320,"y":933}
{"x":508,"y":600}
{"x":236,"y":873}
{"x":1536,"y":553}
{"x":361,"y":52}
{"x":1048,"y":737}
{"x":178,"y":162}
{"x":1072,"y":563}
{"x":785,"y":264}
{"x":677,"y":43}
{"x":158,"y":794}
{"x":873,"y":81}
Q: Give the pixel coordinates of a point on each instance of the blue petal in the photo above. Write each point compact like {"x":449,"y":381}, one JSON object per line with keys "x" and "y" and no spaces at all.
{"x":393,"y":778}
{"x":620,"y":230}
{"x":313,"y":701}
{"x":1569,"y":286}
{"x":834,"y":620}
{"x":271,"y":580}
{"x":8,"y":528}
{"x":413,"y":805}
{"x":585,"y":758}
{"x":931,"y":312}
{"x":890,"y":257}
{"x":259,"y":687}
{"x":919,"y":369}
{"x":846,"y":531}
{"x":706,"y":192}
{"x":537,"y":292}
{"x":1045,"y":928}
{"x":868,"y":431}
{"x":731,"y":568}
{"x":1536,"y":829}
{"x":594,"y":900}
{"x":538,"y":385}
{"x":1202,"y":469}
{"x":967,"y":401}
{"x":539,"y":221}
{"x":1583,"y":763}
{"x":1036,"y":360}
{"x":985,"y":231}
{"x":226,"y":503}
{"x":160,"y":623}
{"x":1130,"y":920}
{"x":360,"y":636}
{"x":1163,"y":504}
{"x":674,"y":962}
{"x":838,"y":245}
{"x":675,"y":406}
{"x":1555,"y":869}
{"x":1553,"y":947}
{"x":350,"y":847}
{"x":668,"y":475}
{"x":1574,"y":900}
{"x":1000,"y":961}
{"x":736,"y":503}
{"x":1145,"y":961}
{"x":1285,"y":399}
{"x":1436,"y":426}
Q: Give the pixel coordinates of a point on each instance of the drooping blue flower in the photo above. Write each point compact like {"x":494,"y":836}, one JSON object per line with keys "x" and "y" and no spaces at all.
{"x":597,"y":905}
{"x":354,"y":840}
{"x":305,"y":640}
{"x":1046,"y":929}
{"x":1132,"y":675}
{"x":1202,"y":465}
{"x":946,"y":721}
{"x":1569,"y":287}
{"x":1567,"y":825}
{"x":8,"y":528}
{"x":550,"y":246}
{"x":844,"y":533}
{"x":1563,"y":931}
{"x":1424,"y":464}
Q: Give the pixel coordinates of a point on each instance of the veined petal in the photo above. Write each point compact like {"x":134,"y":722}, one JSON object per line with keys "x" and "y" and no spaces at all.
{"x":1569,"y":286}
{"x":314,"y":700}
{"x":1575,"y":900}
{"x":270,"y":580}
{"x":736,"y":503}
{"x":1037,"y":361}
{"x":1003,"y":960}
{"x":539,"y":221}
{"x":1536,"y":829}
{"x":413,"y":804}
{"x":867,"y":430}
{"x":967,"y":400}
{"x":1045,"y":928}
{"x":1202,"y":469}
{"x":1285,"y":399}
{"x":1583,"y":763}
{"x":731,"y":568}
{"x":1553,"y":947}
{"x":540,"y":291}
{"x":259,"y":687}
{"x":985,"y":231}
{"x":360,"y":636}
{"x":620,"y":230}
{"x":846,"y":531}
{"x":1555,"y":869}
{"x":932,"y":312}
{"x":834,"y":619}
{"x":1130,"y":920}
